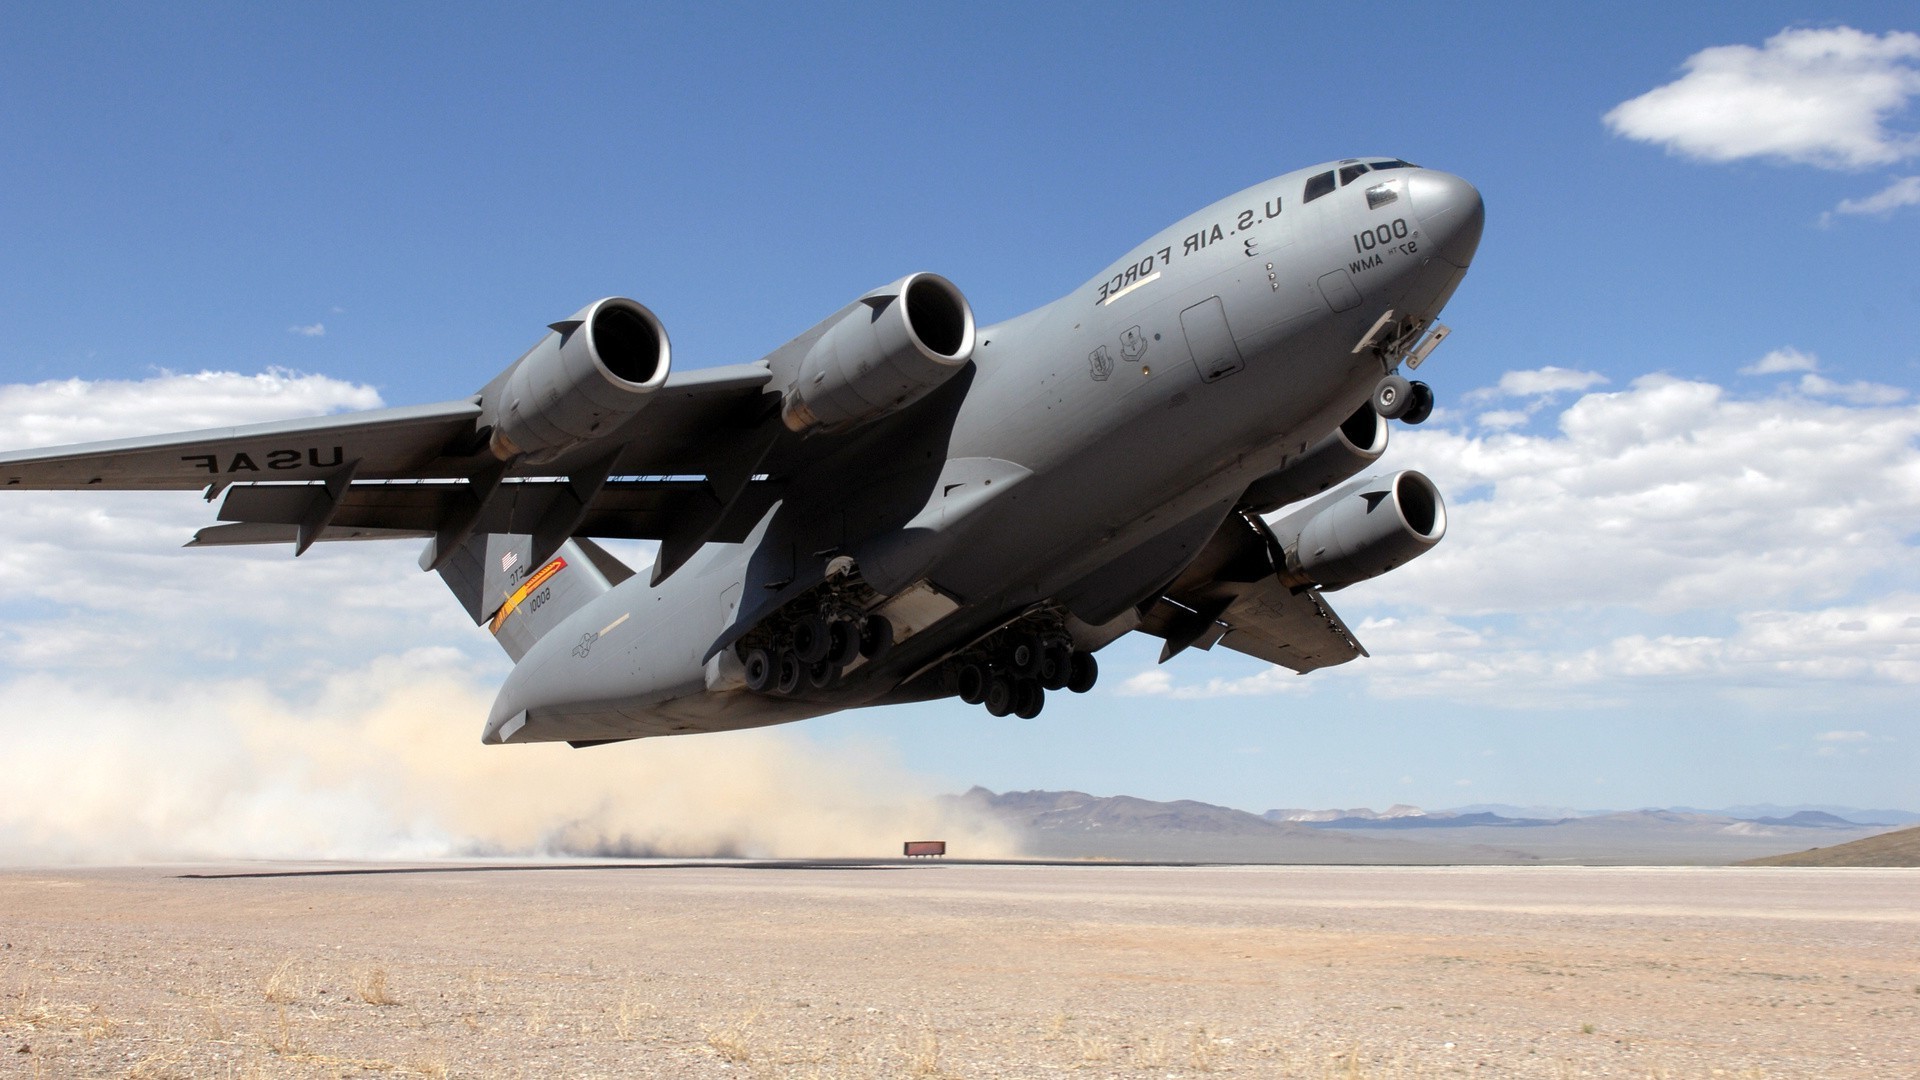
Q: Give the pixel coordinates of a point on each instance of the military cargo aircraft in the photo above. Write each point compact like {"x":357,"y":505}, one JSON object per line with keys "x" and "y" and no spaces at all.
{"x":900,"y":505}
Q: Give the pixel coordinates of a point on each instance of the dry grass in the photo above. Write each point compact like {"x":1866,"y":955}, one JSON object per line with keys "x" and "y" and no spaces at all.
{"x":371,"y":987}
{"x":734,"y":1041}
{"x":282,"y":987}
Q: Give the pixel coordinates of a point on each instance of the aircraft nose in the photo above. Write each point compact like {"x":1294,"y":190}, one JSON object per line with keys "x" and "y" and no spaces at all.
{"x":1450,"y":211}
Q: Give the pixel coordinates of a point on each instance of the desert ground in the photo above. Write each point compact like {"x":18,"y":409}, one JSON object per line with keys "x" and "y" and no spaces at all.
{"x":933,"y":969}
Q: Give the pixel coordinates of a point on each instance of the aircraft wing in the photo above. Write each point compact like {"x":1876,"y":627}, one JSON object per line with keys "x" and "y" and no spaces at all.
{"x":1265,"y":619}
{"x":682,"y":432}
{"x":682,"y":468}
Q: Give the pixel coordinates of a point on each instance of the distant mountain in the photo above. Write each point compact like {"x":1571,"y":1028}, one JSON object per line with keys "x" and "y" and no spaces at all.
{"x":1900,"y":848}
{"x":1076,"y":825}
{"x":1077,"y":811}
{"x":1431,"y":821}
{"x":1845,"y":813}
{"x":1505,"y":815}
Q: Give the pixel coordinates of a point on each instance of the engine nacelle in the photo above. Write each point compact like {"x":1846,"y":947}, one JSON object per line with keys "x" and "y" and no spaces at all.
{"x":1361,"y":531}
{"x":898,"y":344}
{"x":594,"y":371}
{"x":1357,"y":443}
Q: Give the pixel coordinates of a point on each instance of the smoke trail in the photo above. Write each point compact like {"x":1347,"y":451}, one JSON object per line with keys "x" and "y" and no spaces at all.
{"x":385,"y":763}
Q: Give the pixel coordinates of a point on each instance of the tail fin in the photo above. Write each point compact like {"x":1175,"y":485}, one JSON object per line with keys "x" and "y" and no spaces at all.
{"x":492,"y":574}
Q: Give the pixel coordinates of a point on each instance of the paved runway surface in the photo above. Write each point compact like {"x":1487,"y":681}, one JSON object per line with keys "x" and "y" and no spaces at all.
{"x":930,"y":969}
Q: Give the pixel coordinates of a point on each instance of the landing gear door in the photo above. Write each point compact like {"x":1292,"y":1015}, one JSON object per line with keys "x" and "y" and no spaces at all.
{"x":1210,"y":340}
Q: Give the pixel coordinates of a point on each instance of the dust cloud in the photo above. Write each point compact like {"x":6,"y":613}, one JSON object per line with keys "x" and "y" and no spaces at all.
{"x":385,"y":763}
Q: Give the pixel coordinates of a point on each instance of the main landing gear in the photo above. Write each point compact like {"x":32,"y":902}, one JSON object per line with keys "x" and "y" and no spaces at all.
{"x":813,"y":649}
{"x":1011,"y":671}
{"x":1397,"y":398}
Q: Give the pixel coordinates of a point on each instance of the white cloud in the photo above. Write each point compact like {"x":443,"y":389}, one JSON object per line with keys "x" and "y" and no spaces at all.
{"x":1669,"y":532}
{"x":1502,"y":419}
{"x":1857,"y":393}
{"x":1843,"y":736}
{"x":1818,"y":97}
{"x":77,"y":410}
{"x":1782,"y":360}
{"x":1902,"y":192}
{"x":309,"y":330}
{"x":1538,"y":383}
{"x":1548,"y":380}
{"x":1668,"y":496}
{"x":1158,"y":682}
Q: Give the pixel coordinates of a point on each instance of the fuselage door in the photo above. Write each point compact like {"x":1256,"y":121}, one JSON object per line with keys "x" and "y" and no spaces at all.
{"x":1210,"y":341}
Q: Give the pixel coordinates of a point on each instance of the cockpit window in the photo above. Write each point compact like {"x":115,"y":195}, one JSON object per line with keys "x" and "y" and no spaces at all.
{"x":1380,"y":195}
{"x":1351,"y":173}
{"x":1317,"y":186}
{"x":1396,"y":163}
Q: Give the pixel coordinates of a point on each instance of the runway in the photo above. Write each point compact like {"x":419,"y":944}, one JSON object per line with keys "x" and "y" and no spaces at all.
{"x":889,"y":969}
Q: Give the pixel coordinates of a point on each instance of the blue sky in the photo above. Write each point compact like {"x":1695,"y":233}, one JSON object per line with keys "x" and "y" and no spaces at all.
{"x":394,"y":201}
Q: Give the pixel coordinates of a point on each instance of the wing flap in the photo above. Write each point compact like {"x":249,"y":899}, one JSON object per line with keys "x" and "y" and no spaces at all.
{"x":1300,"y":631}
{"x":622,"y":509}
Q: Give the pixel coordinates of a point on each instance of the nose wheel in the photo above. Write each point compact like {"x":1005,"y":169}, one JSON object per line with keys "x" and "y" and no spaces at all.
{"x":1407,"y":401}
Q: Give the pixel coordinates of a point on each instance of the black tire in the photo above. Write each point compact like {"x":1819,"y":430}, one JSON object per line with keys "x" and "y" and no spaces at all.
{"x":1393,"y":397}
{"x":1422,"y":406}
{"x":999,"y":695}
{"x":789,"y":670}
{"x":1024,"y":655}
{"x":759,"y":665}
{"x":811,"y":639}
{"x":876,"y":637}
{"x":1085,"y":672}
{"x":845,"y":636}
{"x":822,"y":674}
{"x":1028,"y":699}
{"x":1056,"y":666}
{"x":973,"y":683}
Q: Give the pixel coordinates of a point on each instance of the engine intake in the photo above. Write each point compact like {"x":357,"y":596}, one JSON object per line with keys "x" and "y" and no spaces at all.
{"x":1361,"y":531}
{"x":1357,"y":443}
{"x":897,"y":344}
{"x":594,"y":371}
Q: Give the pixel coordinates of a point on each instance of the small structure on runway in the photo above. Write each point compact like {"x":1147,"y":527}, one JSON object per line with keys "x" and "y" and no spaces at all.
{"x":916,"y":848}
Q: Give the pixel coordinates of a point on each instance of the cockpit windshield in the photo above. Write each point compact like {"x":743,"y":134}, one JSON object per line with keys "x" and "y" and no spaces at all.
{"x":1317,"y":186}
{"x":1350,"y":173}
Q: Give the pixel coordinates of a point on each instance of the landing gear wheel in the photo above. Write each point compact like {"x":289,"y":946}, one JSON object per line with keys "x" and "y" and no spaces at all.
{"x":1085,"y":672}
{"x":759,"y":665}
{"x":844,"y":634}
{"x":812,"y":641}
{"x":1393,"y":397}
{"x":788,"y":670}
{"x":1056,"y":666}
{"x":1025,"y":655}
{"x":1028,"y":699}
{"x":1000,"y":695}
{"x":973,"y":683}
{"x":876,"y":637}
{"x":822,"y":674}
{"x":1422,"y":406}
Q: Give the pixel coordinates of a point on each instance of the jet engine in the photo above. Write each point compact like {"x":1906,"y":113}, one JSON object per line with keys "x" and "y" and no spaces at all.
{"x":1357,"y":443}
{"x":595,"y":370}
{"x":897,"y":344}
{"x":1362,"y":530}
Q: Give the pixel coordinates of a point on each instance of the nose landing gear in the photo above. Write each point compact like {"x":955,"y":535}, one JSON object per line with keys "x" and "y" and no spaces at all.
{"x":1398,"y":398}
